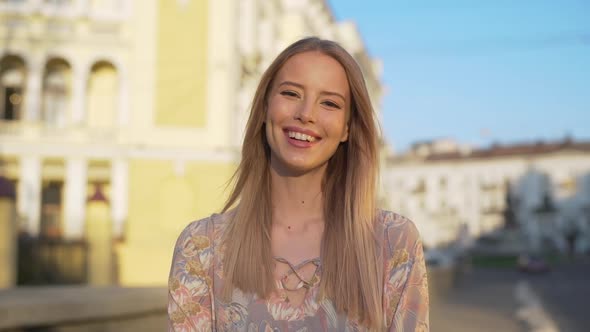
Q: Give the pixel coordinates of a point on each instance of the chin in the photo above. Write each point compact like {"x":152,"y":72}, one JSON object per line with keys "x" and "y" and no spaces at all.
{"x":296,"y":168}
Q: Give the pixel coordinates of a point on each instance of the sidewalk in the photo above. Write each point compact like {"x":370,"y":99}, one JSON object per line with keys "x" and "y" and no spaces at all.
{"x":82,"y":308}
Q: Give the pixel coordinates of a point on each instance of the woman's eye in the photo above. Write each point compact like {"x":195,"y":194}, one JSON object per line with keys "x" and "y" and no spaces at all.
{"x":289,"y":93}
{"x":331,"y":104}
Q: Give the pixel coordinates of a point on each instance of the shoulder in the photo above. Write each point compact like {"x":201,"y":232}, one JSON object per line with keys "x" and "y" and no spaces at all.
{"x":204,"y":231}
{"x":397,"y":231}
{"x":405,"y":283}
{"x":197,"y":245}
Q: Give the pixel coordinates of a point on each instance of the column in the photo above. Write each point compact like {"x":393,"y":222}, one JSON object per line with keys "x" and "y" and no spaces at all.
{"x":247,"y":45}
{"x":83,"y":6}
{"x":29,"y":193}
{"x":247,"y":27}
{"x":123,"y":100}
{"x":119,"y":194}
{"x":75,"y":198}
{"x":242,"y":111}
{"x":33,"y":91}
{"x":265,"y":42}
{"x":292,"y":27}
{"x":223,"y":69}
{"x":32,"y":6}
{"x":8,"y":233}
{"x":78,"y":104}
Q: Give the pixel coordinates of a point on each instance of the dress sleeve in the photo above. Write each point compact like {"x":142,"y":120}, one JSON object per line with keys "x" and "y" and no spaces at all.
{"x":406,"y":286}
{"x":190,"y":300}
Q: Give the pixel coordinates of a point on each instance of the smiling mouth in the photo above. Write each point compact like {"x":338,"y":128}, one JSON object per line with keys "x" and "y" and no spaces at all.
{"x":301,"y":137}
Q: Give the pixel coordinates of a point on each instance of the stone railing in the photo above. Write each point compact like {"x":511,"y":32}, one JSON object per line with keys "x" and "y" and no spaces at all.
{"x":82,"y":308}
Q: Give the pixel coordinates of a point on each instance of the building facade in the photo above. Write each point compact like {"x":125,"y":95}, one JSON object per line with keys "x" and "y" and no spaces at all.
{"x":447,"y":189}
{"x":145,"y":101}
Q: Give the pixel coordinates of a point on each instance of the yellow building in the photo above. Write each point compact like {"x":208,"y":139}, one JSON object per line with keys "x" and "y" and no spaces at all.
{"x":147,"y":99}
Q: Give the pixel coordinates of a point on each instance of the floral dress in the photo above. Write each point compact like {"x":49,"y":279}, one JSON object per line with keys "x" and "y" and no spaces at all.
{"x":196,"y":281}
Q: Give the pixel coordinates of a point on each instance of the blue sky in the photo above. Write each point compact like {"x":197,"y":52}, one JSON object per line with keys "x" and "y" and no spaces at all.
{"x":479,"y":71}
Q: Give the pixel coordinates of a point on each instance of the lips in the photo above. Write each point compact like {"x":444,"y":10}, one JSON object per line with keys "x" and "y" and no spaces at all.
{"x":301,"y":137}
{"x":302,"y":131}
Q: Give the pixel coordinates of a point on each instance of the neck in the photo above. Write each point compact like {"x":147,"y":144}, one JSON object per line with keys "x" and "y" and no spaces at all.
{"x":297,"y":200}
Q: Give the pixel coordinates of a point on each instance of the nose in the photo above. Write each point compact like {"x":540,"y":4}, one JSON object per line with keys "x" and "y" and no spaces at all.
{"x":305,"y":112}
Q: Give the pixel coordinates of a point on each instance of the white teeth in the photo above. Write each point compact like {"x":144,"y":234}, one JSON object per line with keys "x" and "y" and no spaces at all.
{"x":300,"y":136}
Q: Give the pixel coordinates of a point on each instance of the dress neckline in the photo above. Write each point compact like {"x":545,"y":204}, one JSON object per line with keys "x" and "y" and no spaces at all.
{"x":316,"y":261}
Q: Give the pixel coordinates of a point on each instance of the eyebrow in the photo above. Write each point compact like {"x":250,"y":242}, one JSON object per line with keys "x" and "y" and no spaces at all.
{"x":300,"y":86}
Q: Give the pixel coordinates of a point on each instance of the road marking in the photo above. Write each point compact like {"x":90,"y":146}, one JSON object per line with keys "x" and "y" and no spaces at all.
{"x":531,"y":310}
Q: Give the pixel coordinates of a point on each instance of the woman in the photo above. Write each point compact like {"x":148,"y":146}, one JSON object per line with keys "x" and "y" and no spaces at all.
{"x":300,"y":245}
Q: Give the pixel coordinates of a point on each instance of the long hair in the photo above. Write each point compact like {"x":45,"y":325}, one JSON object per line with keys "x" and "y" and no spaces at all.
{"x":352,"y":274}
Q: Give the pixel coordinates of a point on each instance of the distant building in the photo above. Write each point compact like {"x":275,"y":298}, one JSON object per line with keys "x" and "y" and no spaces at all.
{"x":147,"y":99}
{"x":544,"y":188}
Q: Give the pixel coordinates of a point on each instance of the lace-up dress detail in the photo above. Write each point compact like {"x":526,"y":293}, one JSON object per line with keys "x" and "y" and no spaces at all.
{"x":196,"y":281}
{"x":294,"y":270}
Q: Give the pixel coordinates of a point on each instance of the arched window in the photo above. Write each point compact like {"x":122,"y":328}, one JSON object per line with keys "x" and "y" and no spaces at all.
{"x":103,"y":91}
{"x":12,"y":83}
{"x":56,"y":93}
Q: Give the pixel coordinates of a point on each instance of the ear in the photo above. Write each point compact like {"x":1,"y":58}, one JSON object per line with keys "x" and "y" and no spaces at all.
{"x":344,"y":137}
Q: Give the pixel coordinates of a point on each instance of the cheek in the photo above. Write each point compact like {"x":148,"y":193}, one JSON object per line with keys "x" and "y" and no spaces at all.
{"x":272,"y":112}
{"x":336,"y":125}
{"x":278,"y":113}
{"x":268,"y":129}
{"x":272,"y":121}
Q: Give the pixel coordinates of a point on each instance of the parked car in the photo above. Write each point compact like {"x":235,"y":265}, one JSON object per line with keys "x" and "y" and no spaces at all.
{"x":532,"y":264}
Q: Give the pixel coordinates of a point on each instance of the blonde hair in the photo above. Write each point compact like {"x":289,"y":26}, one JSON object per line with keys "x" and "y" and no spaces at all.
{"x":351,"y":258}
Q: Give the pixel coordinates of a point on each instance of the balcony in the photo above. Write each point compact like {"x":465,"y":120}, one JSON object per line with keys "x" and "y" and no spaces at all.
{"x":73,"y":9}
{"x":22,"y":132}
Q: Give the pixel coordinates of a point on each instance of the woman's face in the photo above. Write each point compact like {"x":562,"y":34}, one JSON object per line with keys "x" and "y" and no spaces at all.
{"x":307,"y":111}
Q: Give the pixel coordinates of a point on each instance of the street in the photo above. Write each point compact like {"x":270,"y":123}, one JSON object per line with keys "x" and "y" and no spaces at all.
{"x":484,"y":299}
{"x":565,"y":292}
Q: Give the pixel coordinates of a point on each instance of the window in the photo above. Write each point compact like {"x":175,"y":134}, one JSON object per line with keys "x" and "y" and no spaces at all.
{"x":55,"y":93}
{"x":12,"y":102}
{"x":54,"y":101}
{"x":51,"y":209}
{"x":11,"y":88}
